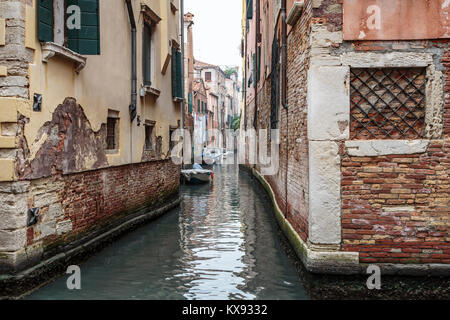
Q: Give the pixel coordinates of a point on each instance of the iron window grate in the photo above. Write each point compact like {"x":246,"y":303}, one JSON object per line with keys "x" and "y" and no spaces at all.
{"x":387,"y":103}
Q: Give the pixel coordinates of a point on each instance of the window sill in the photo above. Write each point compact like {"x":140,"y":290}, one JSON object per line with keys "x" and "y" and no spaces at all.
{"x":178,"y":99}
{"x":295,"y":13}
{"x":173,"y":7}
{"x":373,"y":148}
{"x":51,"y":49}
{"x":152,"y":91}
{"x":112,"y":151}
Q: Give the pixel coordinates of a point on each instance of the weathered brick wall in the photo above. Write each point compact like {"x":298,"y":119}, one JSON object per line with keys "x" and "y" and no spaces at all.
{"x":293,"y":128}
{"x":396,"y":208}
{"x":70,"y":205}
{"x":393,"y":208}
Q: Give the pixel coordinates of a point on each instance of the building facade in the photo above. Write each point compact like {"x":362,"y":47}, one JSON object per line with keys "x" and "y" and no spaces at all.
{"x":360,"y":98}
{"x":86,"y":115}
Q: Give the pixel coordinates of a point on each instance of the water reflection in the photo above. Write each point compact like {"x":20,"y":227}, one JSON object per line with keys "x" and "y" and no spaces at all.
{"x":221,"y":243}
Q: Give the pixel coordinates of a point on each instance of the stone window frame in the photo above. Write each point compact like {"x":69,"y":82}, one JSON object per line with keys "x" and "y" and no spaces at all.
{"x":434,"y":97}
{"x":150,"y":139}
{"x":328,"y":104}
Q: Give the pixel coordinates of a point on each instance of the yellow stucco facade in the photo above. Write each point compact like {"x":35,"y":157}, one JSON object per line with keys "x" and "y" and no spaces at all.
{"x":103,"y":84}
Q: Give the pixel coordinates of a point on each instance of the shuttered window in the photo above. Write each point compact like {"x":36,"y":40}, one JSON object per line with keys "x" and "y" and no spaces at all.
{"x":45,"y":20}
{"x":249,"y":9}
{"x":190,"y":103}
{"x":258,"y":65}
{"x":86,"y":40}
{"x":177,"y":80}
{"x":146,"y":55}
{"x":254,"y":70}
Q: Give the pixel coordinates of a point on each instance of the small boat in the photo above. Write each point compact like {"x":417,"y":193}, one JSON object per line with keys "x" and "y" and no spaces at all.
{"x":197,"y":175}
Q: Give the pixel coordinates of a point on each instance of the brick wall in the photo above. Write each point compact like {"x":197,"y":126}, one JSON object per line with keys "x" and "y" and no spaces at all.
{"x":293,"y":127}
{"x":396,"y":208}
{"x":393,"y":208}
{"x":77,"y":203}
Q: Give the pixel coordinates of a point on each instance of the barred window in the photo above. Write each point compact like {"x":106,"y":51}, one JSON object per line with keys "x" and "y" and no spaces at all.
{"x":112,"y":131}
{"x":387,"y":103}
{"x":111,"y":134}
{"x":149,"y":136}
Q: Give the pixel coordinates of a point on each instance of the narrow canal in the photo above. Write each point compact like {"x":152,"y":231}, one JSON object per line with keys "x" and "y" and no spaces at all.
{"x":221,"y":243}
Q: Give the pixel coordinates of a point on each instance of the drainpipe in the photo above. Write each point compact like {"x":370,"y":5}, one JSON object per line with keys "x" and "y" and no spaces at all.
{"x":283,"y":92}
{"x":133,"y":59}
{"x":133,"y":104}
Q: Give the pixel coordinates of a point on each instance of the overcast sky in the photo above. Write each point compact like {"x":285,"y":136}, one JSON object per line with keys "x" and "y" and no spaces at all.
{"x":217,"y":30}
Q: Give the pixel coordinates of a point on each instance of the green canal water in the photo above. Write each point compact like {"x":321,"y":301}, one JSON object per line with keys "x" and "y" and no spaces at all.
{"x":221,"y":243}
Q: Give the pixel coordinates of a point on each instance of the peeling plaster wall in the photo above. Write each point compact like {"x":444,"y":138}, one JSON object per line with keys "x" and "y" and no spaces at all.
{"x":67,"y":144}
{"x":57,"y":79}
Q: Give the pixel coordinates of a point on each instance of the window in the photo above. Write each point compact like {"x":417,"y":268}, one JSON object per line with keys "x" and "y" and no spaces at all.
{"x":190,"y":103}
{"x":112,"y":130}
{"x":171,"y":131}
{"x":53,"y":25}
{"x":275,"y":86}
{"x":149,"y":126}
{"x":387,"y":103}
{"x":198,"y":105}
{"x":249,"y":9}
{"x":254,"y":73}
{"x":207,"y":76}
{"x":147,"y":55}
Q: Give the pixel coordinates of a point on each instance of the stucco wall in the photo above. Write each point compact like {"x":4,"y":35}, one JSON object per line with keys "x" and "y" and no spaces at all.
{"x":105,"y":81}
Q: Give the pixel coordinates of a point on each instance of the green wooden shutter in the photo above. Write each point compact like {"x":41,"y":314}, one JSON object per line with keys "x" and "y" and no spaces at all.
{"x":45,"y":20}
{"x":174,"y":75}
{"x":258,"y":66}
{"x":86,"y":40}
{"x":198,"y":107}
{"x":255,"y":81}
{"x":190,"y":103}
{"x":179,"y":73}
{"x":249,"y":9}
{"x":177,"y":80}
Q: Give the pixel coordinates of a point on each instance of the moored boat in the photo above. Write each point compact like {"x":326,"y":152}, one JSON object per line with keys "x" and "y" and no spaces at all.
{"x":197,"y":176}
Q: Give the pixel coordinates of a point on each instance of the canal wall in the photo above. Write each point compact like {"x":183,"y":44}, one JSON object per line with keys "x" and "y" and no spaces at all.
{"x":364,"y":145}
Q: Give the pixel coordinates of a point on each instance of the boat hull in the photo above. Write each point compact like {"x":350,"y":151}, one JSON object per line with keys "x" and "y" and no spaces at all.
{"x":197,"y":176}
